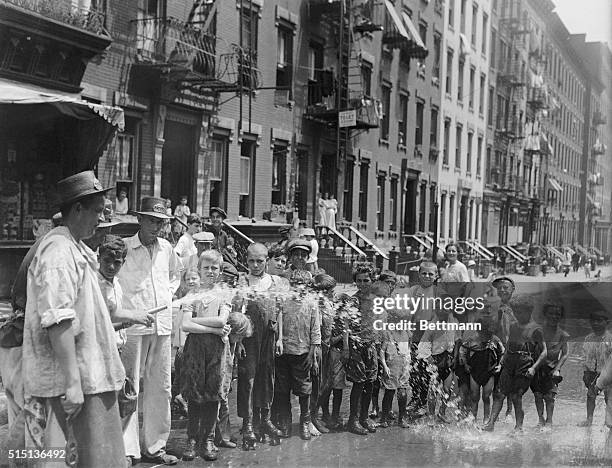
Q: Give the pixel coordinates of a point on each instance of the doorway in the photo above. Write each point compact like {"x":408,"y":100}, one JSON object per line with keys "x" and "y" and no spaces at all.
{"x":178,"y":163}
{"x":410,"y":209}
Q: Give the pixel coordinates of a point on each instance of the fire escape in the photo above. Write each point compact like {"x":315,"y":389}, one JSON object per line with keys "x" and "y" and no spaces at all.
{"x":510,"y":131}
{"x":186,"y":58}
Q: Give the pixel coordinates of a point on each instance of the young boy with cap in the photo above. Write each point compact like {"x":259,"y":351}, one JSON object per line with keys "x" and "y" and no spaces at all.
{"x":221,"y":239}
{"x":301,"y":341}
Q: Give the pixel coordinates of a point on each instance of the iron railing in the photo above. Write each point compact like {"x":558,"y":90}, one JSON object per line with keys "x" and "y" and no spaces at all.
{"x":88,"y":19}
{"x":330,"y":238}
{"x":241,"y":244}
{"x":171,"y":41}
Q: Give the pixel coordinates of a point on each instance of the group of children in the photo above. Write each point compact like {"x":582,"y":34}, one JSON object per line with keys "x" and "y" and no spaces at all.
{"x":281,"y":330}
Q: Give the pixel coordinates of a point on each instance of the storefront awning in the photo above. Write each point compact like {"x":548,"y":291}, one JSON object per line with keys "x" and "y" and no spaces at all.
{"x":17,"y":93}
{"x":78,"y":131}
{"x":396,"y":19}
{"x":555,"y":185}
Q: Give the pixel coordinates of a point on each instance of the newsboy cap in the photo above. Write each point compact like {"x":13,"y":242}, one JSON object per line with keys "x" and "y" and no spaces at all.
{"x":300,"y":244}
{"x":153,"y":206}
{"x":78,"y":186}
{"x":203,"y":236}
{"x":221,"y":211}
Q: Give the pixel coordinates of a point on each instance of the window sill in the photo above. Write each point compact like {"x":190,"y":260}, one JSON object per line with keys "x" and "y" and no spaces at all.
{"x":460,"y":103}
{"x":383,"y":142}
{"x":449,"y":97}
{"x":471,"y":108}
{"x":445,"y":167}
{"x":457,"y":170}
{"x":478,"y":177}
{"x":402,"y":148}
{"x":468,"y":174}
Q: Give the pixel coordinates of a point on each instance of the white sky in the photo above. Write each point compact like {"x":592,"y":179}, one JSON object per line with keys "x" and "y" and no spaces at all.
{"x":593,"y":17}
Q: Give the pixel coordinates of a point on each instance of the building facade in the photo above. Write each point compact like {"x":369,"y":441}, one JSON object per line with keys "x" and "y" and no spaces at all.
{"x":466,"y":80}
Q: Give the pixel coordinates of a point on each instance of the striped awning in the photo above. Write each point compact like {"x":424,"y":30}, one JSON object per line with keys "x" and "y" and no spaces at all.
{"x":415,"y":47}
{"x":396,"y":19}
{"x":555,"y":185}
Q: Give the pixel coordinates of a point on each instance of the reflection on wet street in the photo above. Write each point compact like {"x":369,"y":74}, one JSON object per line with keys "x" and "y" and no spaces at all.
{"x":451,"y":445}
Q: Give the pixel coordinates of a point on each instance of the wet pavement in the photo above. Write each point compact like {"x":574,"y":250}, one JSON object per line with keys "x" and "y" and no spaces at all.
{"x":453,"y":445}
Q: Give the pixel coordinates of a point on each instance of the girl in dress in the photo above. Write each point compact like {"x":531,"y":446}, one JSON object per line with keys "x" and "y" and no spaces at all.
{"x":322,"y":210}
{"x":204,"y":356}
{"x":331,"y":205}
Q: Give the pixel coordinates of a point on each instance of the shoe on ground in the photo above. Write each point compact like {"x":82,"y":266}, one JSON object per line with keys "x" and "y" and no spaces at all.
{"x":226,"y":444}
{"x":313,"y":430}
{"x":208,"y":452}
{"x":318,"y":424}
{"x":190,"y":452}
{"x":368,"y":425}
{"x":489,"y":427}
{"x":357,"y":428}
{"x":160,"y":458}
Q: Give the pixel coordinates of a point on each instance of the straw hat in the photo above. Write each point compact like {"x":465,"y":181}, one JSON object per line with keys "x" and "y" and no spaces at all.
{"x":153,"y":206}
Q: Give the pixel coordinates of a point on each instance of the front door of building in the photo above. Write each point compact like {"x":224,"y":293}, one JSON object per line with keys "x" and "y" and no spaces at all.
{"x":410,"y":208}
{"x":329,"y":174}
{"x":463,"y":218}
{"x":179,"y":163}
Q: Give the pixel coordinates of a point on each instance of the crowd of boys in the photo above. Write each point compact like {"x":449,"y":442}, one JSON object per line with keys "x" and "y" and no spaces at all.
{"x":278,"y":329}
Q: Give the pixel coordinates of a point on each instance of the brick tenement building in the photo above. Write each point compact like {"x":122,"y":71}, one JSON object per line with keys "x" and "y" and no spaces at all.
{"x":269,"y":150}
{"x":541,"y":131}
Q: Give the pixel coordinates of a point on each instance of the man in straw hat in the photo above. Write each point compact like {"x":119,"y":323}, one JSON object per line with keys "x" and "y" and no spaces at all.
{"x":149,"y":278}
{"x":74,"y":380}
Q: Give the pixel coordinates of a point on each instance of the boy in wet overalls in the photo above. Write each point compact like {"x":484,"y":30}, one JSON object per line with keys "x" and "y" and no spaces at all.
{"x":525,"y":351}
{"x":545,"y":381}
{"x":256,"y":353}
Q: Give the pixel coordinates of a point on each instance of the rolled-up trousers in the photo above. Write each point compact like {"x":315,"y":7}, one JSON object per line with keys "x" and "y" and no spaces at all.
{"x":148,"y":357}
